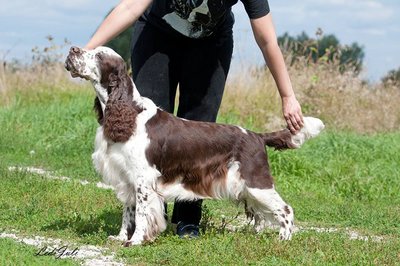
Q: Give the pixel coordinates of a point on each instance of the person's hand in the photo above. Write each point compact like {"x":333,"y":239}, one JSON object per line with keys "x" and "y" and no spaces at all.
{"x":292,"y":113}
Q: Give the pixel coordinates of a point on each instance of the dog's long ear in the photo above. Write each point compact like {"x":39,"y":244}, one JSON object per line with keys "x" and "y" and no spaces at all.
{"x":113,"y":82}
{"x":99,"y":111}
{"x":121,"y":112}
{"x":121,"y":78}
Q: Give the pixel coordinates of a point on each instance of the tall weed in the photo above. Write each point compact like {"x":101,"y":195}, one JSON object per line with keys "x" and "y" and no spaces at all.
{"x":342,"y":99}
{"x":43,"y":74}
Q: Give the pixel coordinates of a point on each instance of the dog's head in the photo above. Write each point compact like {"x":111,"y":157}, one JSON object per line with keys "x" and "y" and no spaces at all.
{"x":95,"y":65}
{"x":102,"y":66}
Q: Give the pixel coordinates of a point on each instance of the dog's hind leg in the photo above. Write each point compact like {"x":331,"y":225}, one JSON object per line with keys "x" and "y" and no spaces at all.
{"x":264,"y":202}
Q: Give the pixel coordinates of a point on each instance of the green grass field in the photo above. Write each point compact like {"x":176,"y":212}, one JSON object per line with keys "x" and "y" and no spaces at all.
{"x":339,"y":180}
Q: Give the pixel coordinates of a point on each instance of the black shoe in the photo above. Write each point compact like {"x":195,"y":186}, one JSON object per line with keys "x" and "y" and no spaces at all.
{"x":187,"y":230}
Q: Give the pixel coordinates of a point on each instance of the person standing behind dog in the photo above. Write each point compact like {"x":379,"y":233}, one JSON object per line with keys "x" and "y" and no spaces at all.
{"x":190,"y":43}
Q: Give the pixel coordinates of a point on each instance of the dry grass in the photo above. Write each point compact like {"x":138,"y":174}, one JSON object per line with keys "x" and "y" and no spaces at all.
{"x":34,"y":80}
{"x":251,"y":99}
{"x":43,"y":74}
{"x":3,"y":85}
{"x":343,"y":101}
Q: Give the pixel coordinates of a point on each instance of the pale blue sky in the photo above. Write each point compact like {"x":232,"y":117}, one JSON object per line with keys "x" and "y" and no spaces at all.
{"x":373,"y":24}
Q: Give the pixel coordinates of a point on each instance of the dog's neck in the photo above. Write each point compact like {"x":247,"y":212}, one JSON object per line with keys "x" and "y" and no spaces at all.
{"x":101,"y":94}
{"x":135,"y":95}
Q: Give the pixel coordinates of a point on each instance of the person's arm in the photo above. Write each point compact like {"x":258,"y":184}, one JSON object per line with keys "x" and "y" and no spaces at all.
{"x":122,"y":16}
{"x":264,"y":33}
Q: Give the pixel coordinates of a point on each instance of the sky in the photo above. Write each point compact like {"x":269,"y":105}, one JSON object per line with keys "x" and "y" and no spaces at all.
{"x":373,"y":24}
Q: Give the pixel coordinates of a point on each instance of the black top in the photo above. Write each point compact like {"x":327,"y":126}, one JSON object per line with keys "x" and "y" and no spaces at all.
{"x":199,"y":18}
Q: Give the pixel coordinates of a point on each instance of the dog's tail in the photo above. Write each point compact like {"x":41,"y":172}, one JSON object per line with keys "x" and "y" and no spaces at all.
{"x":283,"y":139}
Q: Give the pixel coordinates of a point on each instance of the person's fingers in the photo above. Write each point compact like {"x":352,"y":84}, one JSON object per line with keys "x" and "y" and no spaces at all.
{"x":290,"y":126}
{"x":299,"y":119}
{"x":300,"y":114}
{"x":293,"y":115}
{"x":294,"y":122}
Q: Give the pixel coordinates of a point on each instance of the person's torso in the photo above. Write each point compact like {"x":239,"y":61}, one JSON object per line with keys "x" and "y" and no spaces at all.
{"x":191,"y":18}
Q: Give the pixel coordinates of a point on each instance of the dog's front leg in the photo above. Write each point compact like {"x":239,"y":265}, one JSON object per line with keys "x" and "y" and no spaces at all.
{"x":149,"y":215}
{"x":128,"y":224}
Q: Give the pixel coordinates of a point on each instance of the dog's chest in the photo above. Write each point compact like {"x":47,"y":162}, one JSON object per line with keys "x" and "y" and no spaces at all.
{"x":120,"y":162}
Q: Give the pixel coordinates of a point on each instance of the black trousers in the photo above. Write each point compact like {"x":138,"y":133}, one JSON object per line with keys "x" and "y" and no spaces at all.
{"x":161,"y":61}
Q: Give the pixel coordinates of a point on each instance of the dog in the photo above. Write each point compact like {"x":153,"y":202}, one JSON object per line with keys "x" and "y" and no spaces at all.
{"x":150,"y":156}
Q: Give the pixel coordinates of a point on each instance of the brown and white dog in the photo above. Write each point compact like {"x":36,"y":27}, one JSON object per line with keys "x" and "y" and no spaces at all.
{"x":150,"y":156}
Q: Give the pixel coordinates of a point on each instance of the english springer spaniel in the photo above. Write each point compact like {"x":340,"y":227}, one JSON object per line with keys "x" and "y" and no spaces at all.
{"x":150,"y":156}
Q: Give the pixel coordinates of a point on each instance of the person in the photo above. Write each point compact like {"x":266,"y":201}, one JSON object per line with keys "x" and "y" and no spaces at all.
{"x":189,"y":43}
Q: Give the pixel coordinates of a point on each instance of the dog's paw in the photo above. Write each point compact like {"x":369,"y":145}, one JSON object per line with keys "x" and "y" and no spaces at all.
{"x":132,"y":243}
{"x":285,"y":233}
{"x":118,"y":238}
{"x":312,"y":127}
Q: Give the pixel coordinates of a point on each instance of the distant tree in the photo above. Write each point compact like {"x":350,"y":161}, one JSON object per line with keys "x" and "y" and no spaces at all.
{"x":392,"y":77}
{"x":323,"y":47}
{"x":352,"y":55}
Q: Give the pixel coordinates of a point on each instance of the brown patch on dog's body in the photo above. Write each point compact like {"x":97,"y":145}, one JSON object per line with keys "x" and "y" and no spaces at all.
{"x":200,"y":153}
{"x":280,"y":140}
{"x":98,"y":110}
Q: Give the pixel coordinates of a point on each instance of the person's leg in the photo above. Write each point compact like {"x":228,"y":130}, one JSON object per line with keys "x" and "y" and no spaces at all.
{"x":152,"y":65}
{"x":205,"y":66}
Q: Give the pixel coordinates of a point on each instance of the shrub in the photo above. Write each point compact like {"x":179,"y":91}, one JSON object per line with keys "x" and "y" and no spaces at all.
{"x":392,"y":78}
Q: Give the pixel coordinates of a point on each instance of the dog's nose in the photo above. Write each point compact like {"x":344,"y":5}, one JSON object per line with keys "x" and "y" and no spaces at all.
{"x":75,"y":50}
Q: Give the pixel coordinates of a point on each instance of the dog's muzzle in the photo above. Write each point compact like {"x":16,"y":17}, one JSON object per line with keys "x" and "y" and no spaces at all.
{"x":71,"y":58}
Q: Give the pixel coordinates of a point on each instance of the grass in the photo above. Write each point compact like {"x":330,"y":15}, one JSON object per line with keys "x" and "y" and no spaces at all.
{"x":346,"y":179}
{"x":50,"y":124}
{"x":340,"y":179}
{"x":247,"y":249}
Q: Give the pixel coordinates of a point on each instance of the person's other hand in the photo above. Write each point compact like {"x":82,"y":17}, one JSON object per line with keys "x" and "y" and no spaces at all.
{"x":292,"y":113}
